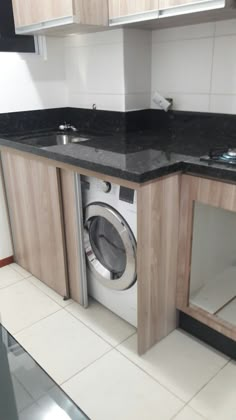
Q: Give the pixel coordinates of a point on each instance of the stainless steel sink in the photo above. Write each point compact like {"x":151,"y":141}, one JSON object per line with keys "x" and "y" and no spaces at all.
{"x":70,"y":138}
{"x":54,"y":139}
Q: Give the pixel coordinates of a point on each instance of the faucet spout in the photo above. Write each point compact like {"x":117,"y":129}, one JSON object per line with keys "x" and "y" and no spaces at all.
{"x":67,"y":127}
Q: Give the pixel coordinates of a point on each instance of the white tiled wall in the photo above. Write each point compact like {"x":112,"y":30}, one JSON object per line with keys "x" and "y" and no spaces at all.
{"x":28,"y":82}
{"x":95,"y":70}
{"x":137,"y":68}
{"x":196,"y":66}
{"x":111,"y":69}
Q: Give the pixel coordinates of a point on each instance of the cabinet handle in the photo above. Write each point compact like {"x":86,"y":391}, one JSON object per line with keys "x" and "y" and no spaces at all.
{"x":47,"y":24}
{"x":136,"y":17}
{"x":198,"y":6}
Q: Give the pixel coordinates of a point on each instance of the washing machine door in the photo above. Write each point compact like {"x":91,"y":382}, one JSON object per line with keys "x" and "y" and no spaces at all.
{"x":110,"y":247}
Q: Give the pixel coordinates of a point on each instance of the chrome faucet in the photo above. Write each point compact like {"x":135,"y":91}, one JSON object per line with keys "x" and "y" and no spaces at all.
{"x":67,"y":127}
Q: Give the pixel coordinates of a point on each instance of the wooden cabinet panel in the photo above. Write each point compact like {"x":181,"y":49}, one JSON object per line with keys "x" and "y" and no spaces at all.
{"x":35,"y":12}
{"x":119,"y":8}
{"x":208,"y":192}
{"x":158,"y":217}
{"x":34,"y":201}
{"x":29,"y":12}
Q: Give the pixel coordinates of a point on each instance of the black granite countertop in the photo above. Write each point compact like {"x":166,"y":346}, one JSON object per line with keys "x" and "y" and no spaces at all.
{"x":137,"y":156}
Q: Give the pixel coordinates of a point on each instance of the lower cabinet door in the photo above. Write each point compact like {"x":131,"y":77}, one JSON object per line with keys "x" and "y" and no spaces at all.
{"x":206,"y":287}
{"x":36,"y":215}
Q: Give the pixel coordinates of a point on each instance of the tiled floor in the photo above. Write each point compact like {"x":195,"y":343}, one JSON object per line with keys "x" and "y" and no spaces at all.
{"x":92,"y":355}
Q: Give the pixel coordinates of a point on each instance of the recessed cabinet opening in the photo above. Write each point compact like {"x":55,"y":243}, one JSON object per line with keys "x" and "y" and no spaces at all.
{"x":213,"y":262}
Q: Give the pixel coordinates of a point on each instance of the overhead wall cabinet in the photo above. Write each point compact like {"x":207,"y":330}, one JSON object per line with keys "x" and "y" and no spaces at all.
{"x":168,"y":8}
{"x":133,"y":11}
{"x":42,"y":16}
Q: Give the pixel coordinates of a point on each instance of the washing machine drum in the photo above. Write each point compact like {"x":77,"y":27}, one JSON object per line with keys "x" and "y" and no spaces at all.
{"x":110,"y":247}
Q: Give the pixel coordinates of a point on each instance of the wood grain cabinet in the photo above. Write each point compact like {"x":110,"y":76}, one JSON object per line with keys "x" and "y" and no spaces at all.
{"x":33,"y":16}
{"x":206,"y":287}
{"x":36,"y":216}
{"x":123,"y":11}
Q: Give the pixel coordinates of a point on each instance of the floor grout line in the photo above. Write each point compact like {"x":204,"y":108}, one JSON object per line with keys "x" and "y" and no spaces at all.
{"x":207,"y":383}
{"x":15,"y":334}
{"x":95,"y":332}
{"x":46,"y":294}
{"x":18,"y":272}
{"x":85,"y":367}
{"x":152,"y":377}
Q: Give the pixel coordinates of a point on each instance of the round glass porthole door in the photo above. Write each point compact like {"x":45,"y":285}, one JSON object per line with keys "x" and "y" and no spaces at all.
{"x":110,"y":247}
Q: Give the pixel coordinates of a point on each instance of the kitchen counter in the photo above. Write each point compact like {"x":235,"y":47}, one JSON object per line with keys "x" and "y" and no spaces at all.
{"x":135,"y":156}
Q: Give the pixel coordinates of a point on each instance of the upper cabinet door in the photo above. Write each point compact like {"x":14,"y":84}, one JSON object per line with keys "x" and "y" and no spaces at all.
{"x":179,"y":7}
{"x":30,"y":12}
{"x":122,"y":11}
{"x":41,"y":16}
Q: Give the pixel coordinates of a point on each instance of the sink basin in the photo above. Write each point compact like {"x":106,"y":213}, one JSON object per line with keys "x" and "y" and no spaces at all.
{"x":68,"y":138}
{"x":54,"y":139}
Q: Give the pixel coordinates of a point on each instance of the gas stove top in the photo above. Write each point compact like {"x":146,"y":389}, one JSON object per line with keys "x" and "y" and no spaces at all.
{"x":224,"y":155}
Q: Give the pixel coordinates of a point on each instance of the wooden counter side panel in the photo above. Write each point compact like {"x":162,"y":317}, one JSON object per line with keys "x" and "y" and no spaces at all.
{"x":158,"y":220}
{"x":34,"y":201}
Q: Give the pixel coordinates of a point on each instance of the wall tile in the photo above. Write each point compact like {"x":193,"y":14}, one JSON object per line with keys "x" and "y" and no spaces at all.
{"x":109,"y":102}
{"x":182,"y":66}
{"x":226,"y":27}
{"x":137,"y":61}
{"x":96,"y":68}
{"x":114,"y":36}
{"x":224,"y":65}
{"x":135,"y":101}
{"x":225,"y":104}
{"x":203,"y":30}
{"x":186,"y":102}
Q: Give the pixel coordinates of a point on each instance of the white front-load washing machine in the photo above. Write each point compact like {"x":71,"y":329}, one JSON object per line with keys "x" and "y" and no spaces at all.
{"x":110,"y":233}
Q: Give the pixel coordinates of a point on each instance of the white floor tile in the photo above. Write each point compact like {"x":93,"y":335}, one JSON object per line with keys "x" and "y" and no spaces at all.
{"x":20,"y":270}
{"x":49,"y":292}
{"x":106,"y":324}
{"x":179,"y":362}
{"x":8,"y":276}
{"x":62,"y":345}
{"x":22,"y":304}
{"x":114,"y":388}
{"x":217,"y":400}
{"x":188,"y":414}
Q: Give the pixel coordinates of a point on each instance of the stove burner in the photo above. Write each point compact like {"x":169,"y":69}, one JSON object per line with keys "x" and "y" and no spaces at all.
{"x":231,"y":153}
{"x":224,"y":155}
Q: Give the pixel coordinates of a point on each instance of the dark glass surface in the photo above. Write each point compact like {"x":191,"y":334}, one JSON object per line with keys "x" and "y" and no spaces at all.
{"x":107,"y":246}
{"x":26,"y":391}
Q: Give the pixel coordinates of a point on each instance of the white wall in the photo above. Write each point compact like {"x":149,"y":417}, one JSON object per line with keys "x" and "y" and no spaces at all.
{"x":196,"y":66}
{"x":27,"y":82}
{"x":95,"y":70}
{"x":137,"y":68}
{"x":111,"y":69}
